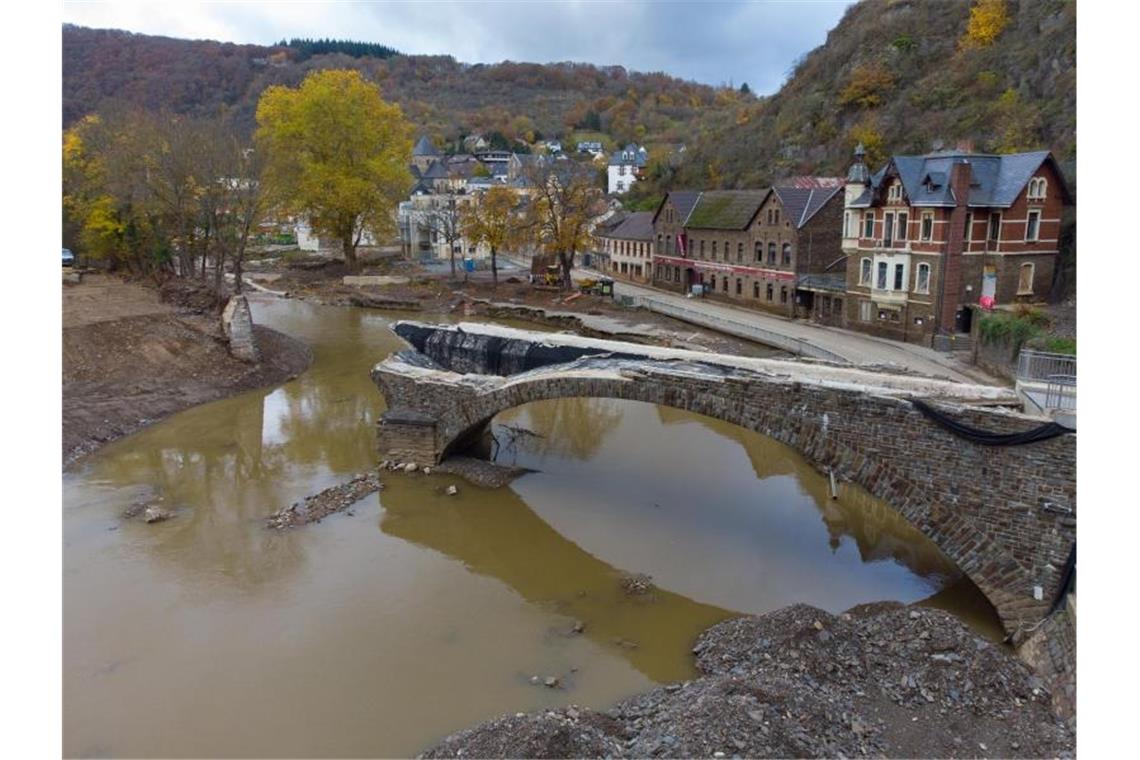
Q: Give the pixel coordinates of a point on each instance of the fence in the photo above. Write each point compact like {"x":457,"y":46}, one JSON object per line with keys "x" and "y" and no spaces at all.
{"x":1049,"y":380}
{"x":739,"y":329}
{"x":1039,"y":366}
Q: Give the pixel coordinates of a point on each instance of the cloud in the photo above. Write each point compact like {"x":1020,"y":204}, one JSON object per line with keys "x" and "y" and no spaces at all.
{"x":711,"y":42}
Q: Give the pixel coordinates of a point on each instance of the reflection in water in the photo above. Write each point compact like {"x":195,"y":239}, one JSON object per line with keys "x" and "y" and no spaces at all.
{"x":375,"y":633}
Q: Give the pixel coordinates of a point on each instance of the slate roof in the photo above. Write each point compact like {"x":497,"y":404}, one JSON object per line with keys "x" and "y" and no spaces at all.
{"x":683,"y":201}
{"x":424,"y":147}
{"x":636,"y":226}
{"x":801,"y":200}
{"x":435,"y":171}
{"x":639,"y":156}
{"x":995,"y":181}
{"x":725,"y":209}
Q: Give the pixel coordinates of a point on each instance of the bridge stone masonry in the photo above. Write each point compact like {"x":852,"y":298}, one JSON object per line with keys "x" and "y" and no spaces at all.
{"x":1006,"y":515}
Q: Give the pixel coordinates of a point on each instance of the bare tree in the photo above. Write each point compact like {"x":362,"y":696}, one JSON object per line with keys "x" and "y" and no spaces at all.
{"x":446,"y":221}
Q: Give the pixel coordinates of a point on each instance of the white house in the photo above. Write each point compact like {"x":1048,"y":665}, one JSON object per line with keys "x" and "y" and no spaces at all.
{"x":626,"y":166}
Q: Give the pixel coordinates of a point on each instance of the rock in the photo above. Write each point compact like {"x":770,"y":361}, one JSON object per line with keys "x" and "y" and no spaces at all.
{"x":410,"y":467}
{"x":915,"y":615}
{"x":818,"y":625}
{"x":636,"y":584}
{"x":451,"y":490}
{"x":578,"y":627}
{"x":156,"y":514}
{"x":427,"y":471}
{"x":551,"y":682}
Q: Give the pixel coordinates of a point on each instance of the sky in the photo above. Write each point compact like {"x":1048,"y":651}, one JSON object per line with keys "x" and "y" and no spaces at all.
{"x":711,"y":42}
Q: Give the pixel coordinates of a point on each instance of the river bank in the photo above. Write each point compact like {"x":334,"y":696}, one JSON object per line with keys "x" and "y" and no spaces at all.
{"x":881,"y":680}
{"x":134,"y":354}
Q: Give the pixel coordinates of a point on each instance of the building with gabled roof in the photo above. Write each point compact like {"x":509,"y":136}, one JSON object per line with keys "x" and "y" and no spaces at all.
{"x":756,"y":247}
{"x":930,"y":238}
{"x":626,"y":166}
{"x":627,"y":246}
{"x":424,"y":153}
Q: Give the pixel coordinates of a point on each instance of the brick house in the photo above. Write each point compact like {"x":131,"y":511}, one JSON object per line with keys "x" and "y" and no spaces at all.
{"x":752,"y":246}
{"x":628,"y":247}
{"x":926,"y":237}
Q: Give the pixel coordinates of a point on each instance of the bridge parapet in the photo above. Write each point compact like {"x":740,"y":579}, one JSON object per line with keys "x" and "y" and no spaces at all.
{"x":1005,"y":515}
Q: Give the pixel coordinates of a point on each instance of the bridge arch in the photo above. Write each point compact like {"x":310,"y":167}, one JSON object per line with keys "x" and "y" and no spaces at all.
{"x":991,"y":510}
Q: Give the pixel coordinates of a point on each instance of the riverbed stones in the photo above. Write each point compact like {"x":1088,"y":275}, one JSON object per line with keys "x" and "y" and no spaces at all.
{"x":451,"y":490}
{"x":755,"y":701}
{"x":636,"y":584}
{"x":329,"y":501}
{"x":153,"y":514}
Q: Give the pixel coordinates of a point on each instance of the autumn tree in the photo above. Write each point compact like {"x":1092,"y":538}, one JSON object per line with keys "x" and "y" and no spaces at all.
{"x":337,"y":153}
{"x":868,"y":85}
{"x":560,"y":213}
{"x":988,"y":19}
{"x":492,"y":218}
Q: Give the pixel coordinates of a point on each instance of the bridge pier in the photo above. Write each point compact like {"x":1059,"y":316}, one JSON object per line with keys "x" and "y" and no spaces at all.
{"x":1006,"y":515}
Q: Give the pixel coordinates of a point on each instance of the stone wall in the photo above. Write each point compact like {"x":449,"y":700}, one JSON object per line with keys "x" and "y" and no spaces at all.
{"x":984,"y":506}
{"x":1052,"y":651}
{"x":237,"y":322}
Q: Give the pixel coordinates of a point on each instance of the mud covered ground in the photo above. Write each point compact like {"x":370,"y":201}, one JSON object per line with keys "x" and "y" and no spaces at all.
{"x":133,"y":355}
{"x":881,"y":680}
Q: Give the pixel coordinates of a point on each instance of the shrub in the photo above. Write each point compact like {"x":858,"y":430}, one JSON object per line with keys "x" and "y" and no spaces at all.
{"x":988,"y":19}
{"x":1008,"y":328}
{"x":868,"y":86}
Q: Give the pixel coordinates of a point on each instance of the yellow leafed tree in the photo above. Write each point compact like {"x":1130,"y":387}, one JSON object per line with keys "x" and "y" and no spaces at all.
{"x":492,"y":219}
{"x":338,"y":153}
{"x":988,"y":19}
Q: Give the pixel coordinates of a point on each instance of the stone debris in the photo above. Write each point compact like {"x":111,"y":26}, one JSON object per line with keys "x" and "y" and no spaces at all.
{"x":451,"y":490}
{"x":335,"y":499}
{"x":153,"y":514}
{"x":847,"y":695}
{"x":636,"y":584}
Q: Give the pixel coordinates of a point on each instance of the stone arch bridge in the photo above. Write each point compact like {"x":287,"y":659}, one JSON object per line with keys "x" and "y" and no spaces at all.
{"x":1006,"y":515}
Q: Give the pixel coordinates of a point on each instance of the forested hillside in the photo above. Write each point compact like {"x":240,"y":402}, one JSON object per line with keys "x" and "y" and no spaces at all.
{"x":105,"y":69}
{"x":896,"y":75}
{"x":899,"y":75}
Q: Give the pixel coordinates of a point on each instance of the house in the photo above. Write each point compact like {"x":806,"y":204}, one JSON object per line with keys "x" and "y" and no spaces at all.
{"x":424,"y":153}
{"x":929,"y":237}
{"x":587,"y":146}
{"x":627,"y":247}
{"x":626,"y":166}
{"x":425,"y":221}
{"x":769,"y":249}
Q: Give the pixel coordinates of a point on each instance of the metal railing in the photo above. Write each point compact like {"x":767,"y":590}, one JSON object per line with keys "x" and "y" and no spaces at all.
{"x":1061,"y":392}
{"x":739,"y":329}
{"x":1040,"y":365}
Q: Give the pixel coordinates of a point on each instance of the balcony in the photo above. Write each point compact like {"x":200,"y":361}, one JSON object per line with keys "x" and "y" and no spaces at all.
{"x":888,"y":296}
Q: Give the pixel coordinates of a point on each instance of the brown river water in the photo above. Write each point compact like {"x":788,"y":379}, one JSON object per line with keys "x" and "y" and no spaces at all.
{"x":380,"y":630}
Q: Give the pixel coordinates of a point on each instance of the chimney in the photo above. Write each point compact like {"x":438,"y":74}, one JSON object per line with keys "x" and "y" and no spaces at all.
{"x":965,"y":146}
{"x":950,"y":294}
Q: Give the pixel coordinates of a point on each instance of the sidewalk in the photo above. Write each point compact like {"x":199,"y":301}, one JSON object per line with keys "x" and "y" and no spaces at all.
{"x":855,"y":347}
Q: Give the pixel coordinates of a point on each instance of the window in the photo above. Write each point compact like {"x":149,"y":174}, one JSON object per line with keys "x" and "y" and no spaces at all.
{"x":865,"y":272}
{"x":869,"y":224}
{"x":739,"y":252}
{"x":902,"y":234}
{"x":777,"y":216}
{"x":1031,"y":226}
{"x":726,"y":250}
{"x":881,"y":281}
{"x":724,"y":284}
{"x":865,"y":311}
{"x":995,"y":226}
{"x":922,"y":279}
{"x":927,"y":225}
{"x":702,"y":249}
{"x":620,"y":186}
{"x":968,"y":233}
{"x":1037,"y":189}
{"x":771,"y":253}
{"x":769,"y":291}
{"x":783,"y":295}
{"x":759,"y":252}
{"x":899,"y":279}
{"x":1025,"y":280}
{"x":786,"y":256}
{"x":888,"y":228}
{"x":769,"y":216}
{"x":714,"y":249}
{"x":847,"y":224}
{"x":739,"y":286}
{"x":756,"y":290}
{"x":712,"y":282}
{"x":894,"y":192}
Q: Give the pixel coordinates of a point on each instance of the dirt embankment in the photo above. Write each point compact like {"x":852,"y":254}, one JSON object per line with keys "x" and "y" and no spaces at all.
{"x":881,"y":680}
{"x":133,"y":355}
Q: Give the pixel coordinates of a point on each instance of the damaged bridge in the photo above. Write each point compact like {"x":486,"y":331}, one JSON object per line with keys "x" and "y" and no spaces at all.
{"x":993,"y":488}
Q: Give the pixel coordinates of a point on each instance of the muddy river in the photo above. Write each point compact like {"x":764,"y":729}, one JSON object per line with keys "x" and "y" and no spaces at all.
{"x":380,"y":630}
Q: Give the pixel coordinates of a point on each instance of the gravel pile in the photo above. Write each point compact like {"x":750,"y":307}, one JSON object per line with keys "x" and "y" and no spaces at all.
{"x":881,"y":680}
{"x":335,"y":499}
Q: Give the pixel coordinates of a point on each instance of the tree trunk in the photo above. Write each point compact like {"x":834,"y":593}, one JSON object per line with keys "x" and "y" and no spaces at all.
{"x":567,"y":265}
{"x":452,"y":262}
{"x":349,"y":247}
{"x":494,"y":270}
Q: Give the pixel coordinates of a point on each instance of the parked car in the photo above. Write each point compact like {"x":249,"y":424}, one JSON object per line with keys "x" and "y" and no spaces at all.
{"x":68,"y":258}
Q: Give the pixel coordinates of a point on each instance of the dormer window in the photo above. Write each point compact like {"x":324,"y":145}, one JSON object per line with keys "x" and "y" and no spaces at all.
{"x":1037,"y":187}
{"x":894,"y":192}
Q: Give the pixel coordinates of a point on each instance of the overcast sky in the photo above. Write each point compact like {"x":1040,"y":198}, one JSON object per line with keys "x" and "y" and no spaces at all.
{"x":712,"y":42}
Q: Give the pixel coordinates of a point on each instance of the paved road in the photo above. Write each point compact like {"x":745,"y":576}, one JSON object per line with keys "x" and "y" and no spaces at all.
{"x":852,"y":346}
